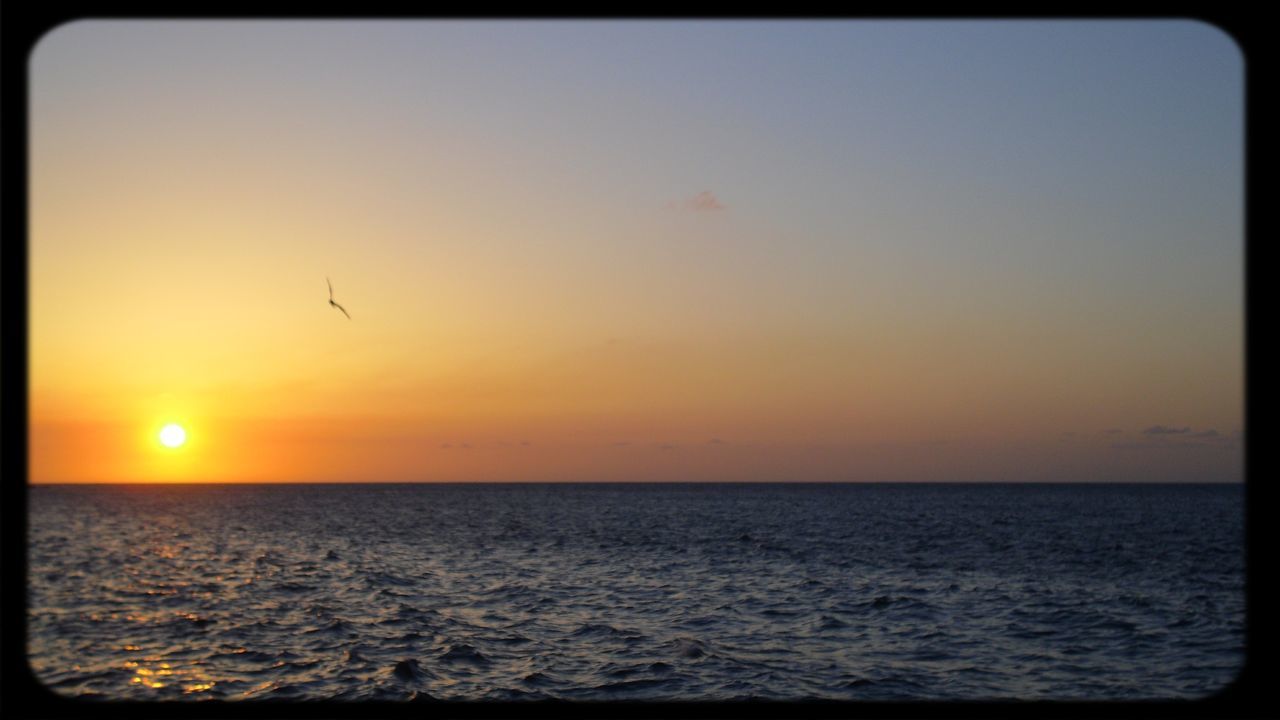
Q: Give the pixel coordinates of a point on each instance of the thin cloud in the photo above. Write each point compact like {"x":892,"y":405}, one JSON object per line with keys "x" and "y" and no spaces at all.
{"x":705,"y":201}
{"x":1136,"y":446}
{"x":1165,"y":430}
{"x":1151,"y":445}
{"x":1185,"y":439}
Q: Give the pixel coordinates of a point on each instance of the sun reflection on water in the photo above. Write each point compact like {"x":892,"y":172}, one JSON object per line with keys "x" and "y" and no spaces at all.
{"x":152,"y":673}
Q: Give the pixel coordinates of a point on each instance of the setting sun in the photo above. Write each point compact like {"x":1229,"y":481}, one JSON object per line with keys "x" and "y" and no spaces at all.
{"x":172,"y":435}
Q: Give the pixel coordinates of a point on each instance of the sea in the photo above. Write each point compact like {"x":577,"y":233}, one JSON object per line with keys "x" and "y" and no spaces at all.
{"x":636,"y":592}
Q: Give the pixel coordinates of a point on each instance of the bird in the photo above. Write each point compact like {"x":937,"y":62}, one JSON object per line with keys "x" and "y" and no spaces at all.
{"x":331,"y":302}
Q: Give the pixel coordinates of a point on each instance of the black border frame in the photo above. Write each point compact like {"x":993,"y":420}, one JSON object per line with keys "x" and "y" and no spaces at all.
{"x":22,"y":695}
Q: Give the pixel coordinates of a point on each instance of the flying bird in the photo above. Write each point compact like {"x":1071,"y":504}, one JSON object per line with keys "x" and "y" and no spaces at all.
{"x":331,"y":302}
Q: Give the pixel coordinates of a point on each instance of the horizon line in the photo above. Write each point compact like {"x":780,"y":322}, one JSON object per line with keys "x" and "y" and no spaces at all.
{"x":636,"y":482}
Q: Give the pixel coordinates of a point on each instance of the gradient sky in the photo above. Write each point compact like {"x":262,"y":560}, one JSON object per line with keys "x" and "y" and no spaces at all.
{"x":839,"y":250}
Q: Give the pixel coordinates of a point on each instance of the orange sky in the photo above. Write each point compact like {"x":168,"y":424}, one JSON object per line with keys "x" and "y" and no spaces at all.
{"x":546,"y":283}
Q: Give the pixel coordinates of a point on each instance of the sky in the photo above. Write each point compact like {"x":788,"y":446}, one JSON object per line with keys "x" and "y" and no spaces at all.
{"x":637,"y":251}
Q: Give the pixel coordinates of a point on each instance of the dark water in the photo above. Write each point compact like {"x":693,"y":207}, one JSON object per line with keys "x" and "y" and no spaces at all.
{"x":628,"y":592}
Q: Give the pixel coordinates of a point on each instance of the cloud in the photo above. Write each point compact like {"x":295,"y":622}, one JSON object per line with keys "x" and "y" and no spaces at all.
{"x":1155,"y":445}
{"x":1164,"y":430}
{"x":1164,"y":437}
{"x":715,"y":441}
{"x":1111,"y":431}
{"x":705,"y":201}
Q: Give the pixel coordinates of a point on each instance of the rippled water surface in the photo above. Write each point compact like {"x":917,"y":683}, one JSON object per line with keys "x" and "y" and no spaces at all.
{"x":631,"y":592}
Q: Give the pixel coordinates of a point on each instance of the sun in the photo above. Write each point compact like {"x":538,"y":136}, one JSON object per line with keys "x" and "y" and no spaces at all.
{"x":172,"y":435}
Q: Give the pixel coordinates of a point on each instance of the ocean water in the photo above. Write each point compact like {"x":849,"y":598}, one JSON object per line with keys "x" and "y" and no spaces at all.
{"x":636,"y":592}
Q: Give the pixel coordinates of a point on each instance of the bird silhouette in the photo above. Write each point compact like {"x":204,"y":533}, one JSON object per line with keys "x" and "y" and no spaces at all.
{"x":331,"y":302}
